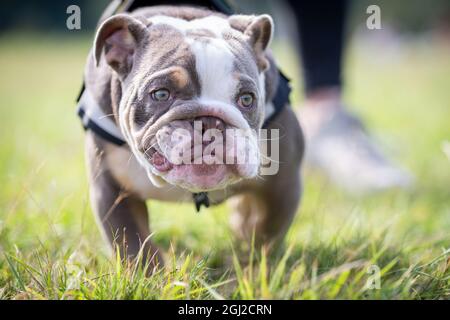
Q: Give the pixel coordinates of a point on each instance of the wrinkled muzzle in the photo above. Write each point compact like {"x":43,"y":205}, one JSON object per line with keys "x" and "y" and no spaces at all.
{"x":200,"y":148}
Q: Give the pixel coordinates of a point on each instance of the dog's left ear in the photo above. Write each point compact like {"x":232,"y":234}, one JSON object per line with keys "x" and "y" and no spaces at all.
{"x":259,"y":31}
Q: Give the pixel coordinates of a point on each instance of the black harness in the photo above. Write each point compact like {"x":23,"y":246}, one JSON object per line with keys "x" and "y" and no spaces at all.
{"x":279,"y":101}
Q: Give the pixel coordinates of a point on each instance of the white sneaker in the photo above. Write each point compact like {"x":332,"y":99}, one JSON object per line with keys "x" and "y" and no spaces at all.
{"x":341,"y":148}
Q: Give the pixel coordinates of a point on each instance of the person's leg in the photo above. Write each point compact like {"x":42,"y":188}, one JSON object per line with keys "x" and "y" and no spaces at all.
{"x":321,"y":31}
{"x":321,"y":27}
{"x":337,"y":141}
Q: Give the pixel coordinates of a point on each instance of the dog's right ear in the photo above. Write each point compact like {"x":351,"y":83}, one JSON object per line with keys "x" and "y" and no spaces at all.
{"x":120,"y":36}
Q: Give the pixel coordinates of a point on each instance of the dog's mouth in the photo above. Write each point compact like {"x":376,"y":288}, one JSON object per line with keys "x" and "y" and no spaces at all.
{"x":202,"y":160}
{"x":195,"y":177}
{"x":160,"y":162}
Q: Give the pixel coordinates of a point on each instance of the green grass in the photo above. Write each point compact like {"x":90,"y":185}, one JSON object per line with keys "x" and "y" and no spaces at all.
{"x":50,"y":247}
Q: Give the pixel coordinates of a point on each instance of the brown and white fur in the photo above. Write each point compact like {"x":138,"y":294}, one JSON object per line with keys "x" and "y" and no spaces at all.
{"x":205,"y":60}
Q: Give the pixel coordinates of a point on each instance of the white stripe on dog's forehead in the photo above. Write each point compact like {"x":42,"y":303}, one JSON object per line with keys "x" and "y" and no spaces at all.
{"x":213,"y":58}
{"x":214,"y":63}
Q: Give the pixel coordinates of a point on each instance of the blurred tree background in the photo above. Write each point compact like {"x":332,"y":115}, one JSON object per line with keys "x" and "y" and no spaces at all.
{"x":411,"y":16}
{"x":47,"y":15}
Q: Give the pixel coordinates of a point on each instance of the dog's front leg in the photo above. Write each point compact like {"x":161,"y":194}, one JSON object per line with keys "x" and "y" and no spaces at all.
{"x":266,"y":210}
{"x":122,"y":216}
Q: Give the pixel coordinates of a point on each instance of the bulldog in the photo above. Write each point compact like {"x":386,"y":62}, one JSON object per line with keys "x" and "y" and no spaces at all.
{"x":159,"y":78}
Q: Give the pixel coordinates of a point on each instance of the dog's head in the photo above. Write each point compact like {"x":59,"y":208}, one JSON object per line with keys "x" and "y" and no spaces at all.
{"x":190,"y":90}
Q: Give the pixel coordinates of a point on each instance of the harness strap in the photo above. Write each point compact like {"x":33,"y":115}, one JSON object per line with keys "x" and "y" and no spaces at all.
{"x":94,"y":119}
{"x":280,"y":100}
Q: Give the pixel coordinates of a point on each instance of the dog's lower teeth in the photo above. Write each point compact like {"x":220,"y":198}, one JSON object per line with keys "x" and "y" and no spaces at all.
{"x":160,"y":162}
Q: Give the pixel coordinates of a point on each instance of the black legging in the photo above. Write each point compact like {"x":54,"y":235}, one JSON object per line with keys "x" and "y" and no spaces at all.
{"x":321,"y":28}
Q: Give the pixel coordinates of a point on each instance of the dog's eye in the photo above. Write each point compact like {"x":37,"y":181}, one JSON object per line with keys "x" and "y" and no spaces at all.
{"x":245,"y":100}
{"x":160,"y":95}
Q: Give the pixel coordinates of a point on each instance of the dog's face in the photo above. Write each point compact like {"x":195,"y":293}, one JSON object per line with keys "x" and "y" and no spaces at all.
{"x":192,"y":94}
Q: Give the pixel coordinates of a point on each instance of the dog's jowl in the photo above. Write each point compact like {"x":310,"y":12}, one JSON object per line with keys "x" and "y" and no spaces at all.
{"x":175,"y":100}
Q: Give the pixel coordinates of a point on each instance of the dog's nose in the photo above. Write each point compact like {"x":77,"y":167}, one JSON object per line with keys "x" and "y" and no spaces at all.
{"x":211,"y":123}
